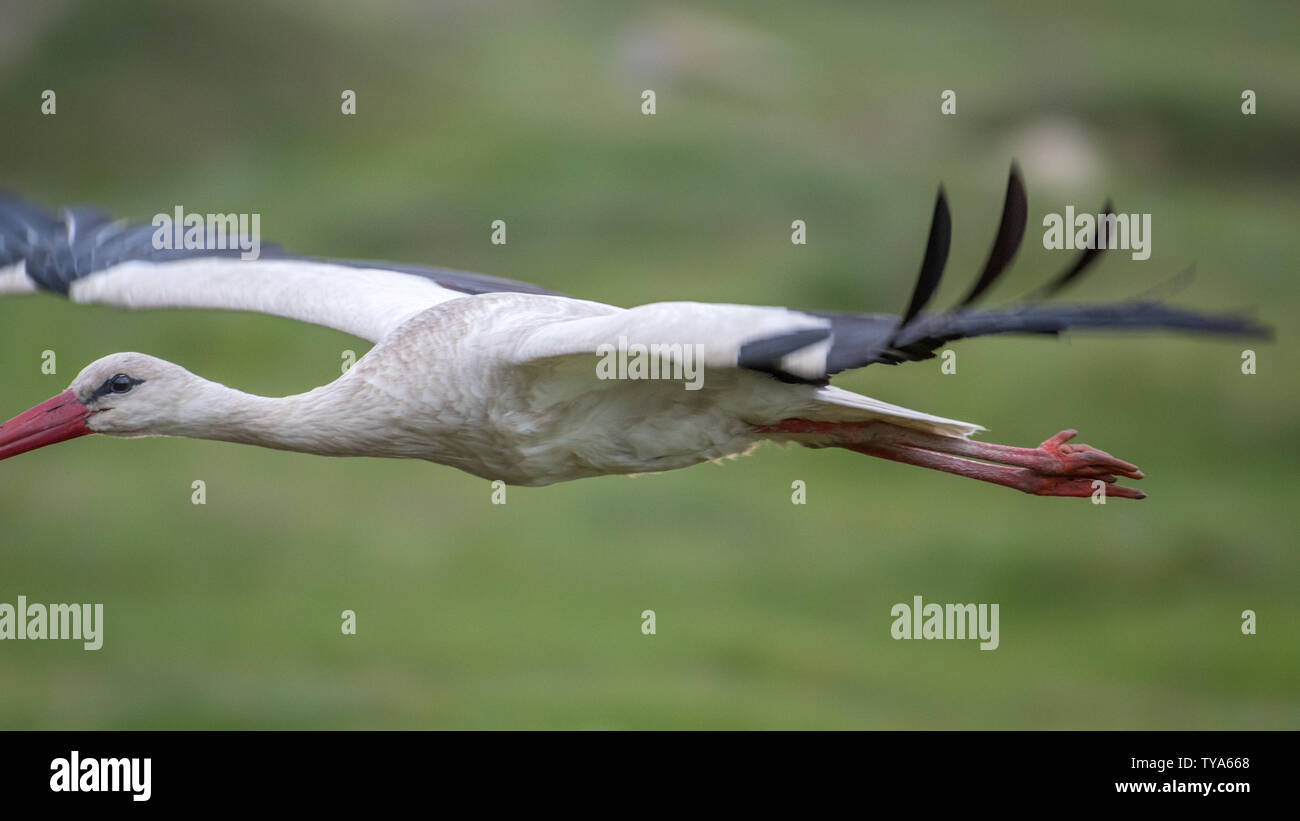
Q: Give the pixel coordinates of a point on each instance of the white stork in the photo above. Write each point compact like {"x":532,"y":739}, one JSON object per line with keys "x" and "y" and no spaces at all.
{"x":499,"y":378}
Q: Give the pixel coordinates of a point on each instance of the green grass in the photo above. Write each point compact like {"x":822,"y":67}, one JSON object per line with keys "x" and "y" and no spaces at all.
{"x":770,"y":615}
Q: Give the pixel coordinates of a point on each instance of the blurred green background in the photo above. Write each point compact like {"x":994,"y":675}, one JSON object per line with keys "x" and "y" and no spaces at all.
{"x":770,"y":615}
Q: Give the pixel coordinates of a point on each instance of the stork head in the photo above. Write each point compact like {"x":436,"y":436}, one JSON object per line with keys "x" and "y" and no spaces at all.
{"x":124,"y":394}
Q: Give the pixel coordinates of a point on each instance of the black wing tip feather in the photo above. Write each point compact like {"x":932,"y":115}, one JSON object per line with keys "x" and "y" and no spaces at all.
{"x":1011,"y":232}
{"x":936,"y":257}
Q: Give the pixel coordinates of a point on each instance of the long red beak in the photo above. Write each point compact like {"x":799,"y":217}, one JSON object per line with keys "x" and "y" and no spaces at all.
{"x":57,"y":418}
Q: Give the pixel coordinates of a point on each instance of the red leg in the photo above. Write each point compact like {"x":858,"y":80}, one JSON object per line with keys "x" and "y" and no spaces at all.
{"x":1054,"y":468}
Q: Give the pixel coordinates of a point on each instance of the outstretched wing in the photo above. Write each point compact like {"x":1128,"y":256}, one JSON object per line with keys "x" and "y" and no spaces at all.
{"x":89,"y":258}
{"x":862,"y":340}
{"x":811,"y":346}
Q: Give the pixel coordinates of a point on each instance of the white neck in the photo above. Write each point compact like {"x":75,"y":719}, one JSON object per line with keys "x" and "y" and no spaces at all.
{"x":332,"y":420}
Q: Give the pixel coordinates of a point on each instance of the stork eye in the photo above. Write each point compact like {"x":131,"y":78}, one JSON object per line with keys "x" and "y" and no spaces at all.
{"x":120,"y":383}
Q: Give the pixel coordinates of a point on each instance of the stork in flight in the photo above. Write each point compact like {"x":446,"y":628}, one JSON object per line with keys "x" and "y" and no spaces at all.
{"x":499,"y":378}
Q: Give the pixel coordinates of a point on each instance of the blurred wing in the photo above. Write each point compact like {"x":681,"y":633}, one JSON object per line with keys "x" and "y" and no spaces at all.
{"x":90,"y":259}
{"x":811,"y":346}
{"x":858,"y":340}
